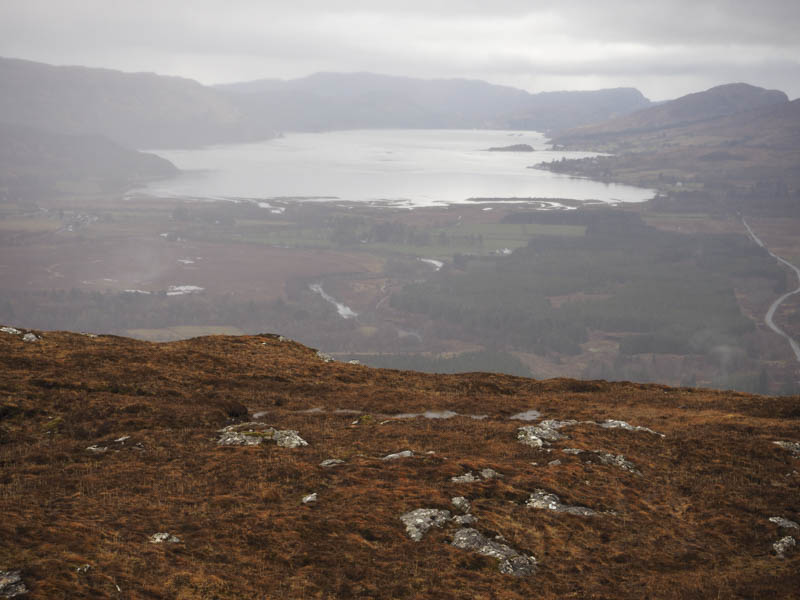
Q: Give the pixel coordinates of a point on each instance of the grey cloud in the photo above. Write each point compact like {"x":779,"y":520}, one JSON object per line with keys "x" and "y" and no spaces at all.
{"x":569,"y":43}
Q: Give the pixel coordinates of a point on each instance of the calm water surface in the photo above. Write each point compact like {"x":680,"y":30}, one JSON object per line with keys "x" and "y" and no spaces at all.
{"x":406,"y":167}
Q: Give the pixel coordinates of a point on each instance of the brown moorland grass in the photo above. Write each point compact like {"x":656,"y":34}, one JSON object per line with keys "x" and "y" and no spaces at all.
{"x":694,"y":524}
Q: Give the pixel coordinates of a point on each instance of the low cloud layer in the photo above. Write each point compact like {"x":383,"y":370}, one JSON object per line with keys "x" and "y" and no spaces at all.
{"x":665,"y":49}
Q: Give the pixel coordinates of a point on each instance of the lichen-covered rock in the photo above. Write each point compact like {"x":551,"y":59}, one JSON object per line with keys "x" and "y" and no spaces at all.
{"x":331,"y":462}
{"x":783,"y":522}
{"x":615,"y":424}
{"x":511,"y":561}
{"x":163,"y":537}
{"x":488,"y":473}
{"x":30,"y":337}
{"x":235,"y":438}
{"x":419,"y":521}
{"x":793,"y":447}
{"x":289,"y":438}
{"x":544,"y":500}
{"x":540,"y":435}
{"x":616,"y":460}
{"x":465,"y":520}
{"x":255,"y":433}
{"x":11,"y":584}
{"x":784,"y":545}
{"x":461,"y":503}
{"x":396,"y":455}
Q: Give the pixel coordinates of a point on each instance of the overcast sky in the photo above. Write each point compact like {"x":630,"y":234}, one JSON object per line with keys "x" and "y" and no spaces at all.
{"x":665,"y":48}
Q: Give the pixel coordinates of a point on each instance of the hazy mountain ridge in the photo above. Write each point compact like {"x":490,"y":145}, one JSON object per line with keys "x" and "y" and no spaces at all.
{"x":699,"y":107}
{"x":439,"y":102}
{"x":139,"y":110}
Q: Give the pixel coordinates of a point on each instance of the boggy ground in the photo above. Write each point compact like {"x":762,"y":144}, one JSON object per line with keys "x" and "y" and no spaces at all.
{"x":693,"y":524}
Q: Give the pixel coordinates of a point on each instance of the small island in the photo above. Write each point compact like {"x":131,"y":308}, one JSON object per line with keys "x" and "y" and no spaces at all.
{"x":513,"y":148}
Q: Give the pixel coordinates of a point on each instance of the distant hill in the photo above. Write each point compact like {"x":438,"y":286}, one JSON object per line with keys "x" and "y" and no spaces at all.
{"x":344,"y":100}
{"x":729,"y":137}
{"x":711,"y":104}
{"x":139,"y":110}
{"x":34,"y":161}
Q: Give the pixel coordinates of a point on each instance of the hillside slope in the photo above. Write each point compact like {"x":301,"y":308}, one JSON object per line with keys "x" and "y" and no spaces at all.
{"x":106,"y":441}
{"x":702,"y":106}
{"x":139,"y":110}
{"x":730,"y":137}
{"x":33,"y":161}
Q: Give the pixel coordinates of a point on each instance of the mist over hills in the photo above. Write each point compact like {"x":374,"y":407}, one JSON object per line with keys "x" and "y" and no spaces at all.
{"x":341,"y":100}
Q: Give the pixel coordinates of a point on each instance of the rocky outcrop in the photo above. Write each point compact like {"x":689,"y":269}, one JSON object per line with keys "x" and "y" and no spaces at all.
{"x":784,"y":546}
{"x":793,"y":447}
{"x":11,"y":584}
{"x":544,"y":500}
{"x":784,"y":523}
{"x":419,"y":521}
{"x":511,"y":561}
{"x":254,"y":434}
{"x":163,"y":537}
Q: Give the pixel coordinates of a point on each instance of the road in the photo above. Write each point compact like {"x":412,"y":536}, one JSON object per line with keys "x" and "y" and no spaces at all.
{"x":771,"y":312}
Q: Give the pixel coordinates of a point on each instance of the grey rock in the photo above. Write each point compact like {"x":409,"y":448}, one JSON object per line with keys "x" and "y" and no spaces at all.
{"x":353,"y":362}
{"x":784,"y":545}
{"x":528,"y":415}
{"x":123,"y":439}
{"x":310,"y":498}
{"x":11,"y":584}
{"x":255,"y":433}
{"x":793,"y":447}
{"x":540,"y":435}
{"x":511,"y":561}
{"x":488,"y":473}
{"x":419,"y":521}
{"x":785,"y":523}
{"x":331,"y":462}
{"x":163,"y":537}
{"x":97,"y":449}
{"x":461,"y":503}
{"x":10,"y":331}
{"x":289,"y":438}
{"x":554,"y":463}
{"x":544,"y":500}
{"x":325,"y":357}
{"x":30,"y":337}
{"x":575,"y":451}
{"x":234,"y":438}
{"x":283,"y":339}
{"x":467,"y":477}
{"x":396,"y":455}
{"x":615,"y":424}
{"x":616,"y":460}
{"x":465,"y":520}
